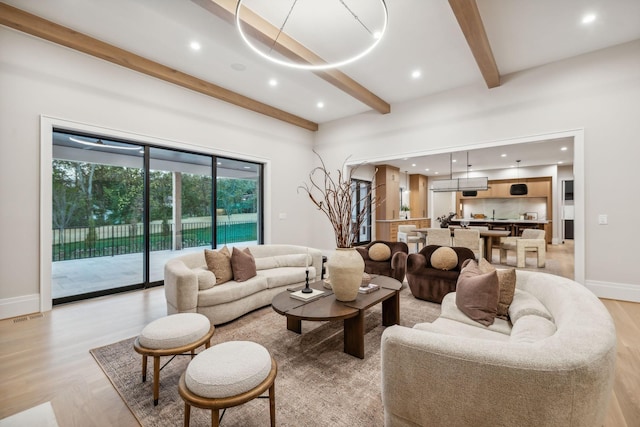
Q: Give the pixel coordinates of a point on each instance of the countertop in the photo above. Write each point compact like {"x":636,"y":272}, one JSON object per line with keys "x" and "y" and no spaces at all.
{"x":503,"y":220}
{"x":400,"y":220}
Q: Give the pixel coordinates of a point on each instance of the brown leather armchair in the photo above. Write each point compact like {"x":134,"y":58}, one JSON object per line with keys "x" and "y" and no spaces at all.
{"x":429,"y":283}
{"x":395,"y":267}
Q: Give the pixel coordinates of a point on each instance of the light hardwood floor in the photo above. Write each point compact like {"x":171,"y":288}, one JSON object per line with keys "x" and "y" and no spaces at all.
{"x":46,"y":357}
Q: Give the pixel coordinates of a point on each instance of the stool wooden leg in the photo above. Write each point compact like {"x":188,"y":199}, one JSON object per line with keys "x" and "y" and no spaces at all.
{"x":215,"y":418}
{"x":193,"y":353}
{"x":156,"y":379}
{"x":272,"y":404}
{"x":144,"y":368}
{"x":187,"y":414}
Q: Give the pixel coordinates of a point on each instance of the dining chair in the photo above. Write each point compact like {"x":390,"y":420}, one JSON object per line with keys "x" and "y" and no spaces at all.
{"x":469,"y":238}
{"x":408,"y":234}
{"x":531,"y":240}
{"x":439,"y":236}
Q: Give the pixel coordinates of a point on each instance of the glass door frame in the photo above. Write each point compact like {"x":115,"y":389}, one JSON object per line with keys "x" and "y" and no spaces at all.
{"x":48,"y":127}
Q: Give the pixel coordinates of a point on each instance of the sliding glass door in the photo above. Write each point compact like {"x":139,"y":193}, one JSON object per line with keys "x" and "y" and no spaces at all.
{"x":238,"y":202}
{"x":180,"y":206}
{"x":121,"y":210}
{"x":97,"y":205}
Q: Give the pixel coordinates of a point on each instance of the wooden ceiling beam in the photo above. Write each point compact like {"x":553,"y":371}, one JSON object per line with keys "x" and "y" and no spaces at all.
{"x":266,"y":33}
{"x":468,"y":16}
{"x":47,"y":30}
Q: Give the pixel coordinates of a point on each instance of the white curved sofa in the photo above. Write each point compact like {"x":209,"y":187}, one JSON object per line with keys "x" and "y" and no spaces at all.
{"x":534,"y":372}
{"x":276,"y":270}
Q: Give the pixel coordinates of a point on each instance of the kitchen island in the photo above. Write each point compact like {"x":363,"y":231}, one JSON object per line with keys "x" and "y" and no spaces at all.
{"x":514,"y":225}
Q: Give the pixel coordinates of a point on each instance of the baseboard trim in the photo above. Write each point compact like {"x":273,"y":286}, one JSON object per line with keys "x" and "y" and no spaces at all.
{"x":619,"y":291}
{"x":19,"y":306}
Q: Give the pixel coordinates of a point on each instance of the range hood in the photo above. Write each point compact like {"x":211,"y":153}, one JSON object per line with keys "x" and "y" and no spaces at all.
{"x":460,"y":184}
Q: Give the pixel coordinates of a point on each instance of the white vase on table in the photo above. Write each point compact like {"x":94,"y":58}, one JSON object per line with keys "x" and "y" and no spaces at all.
{"x":346,"y":267}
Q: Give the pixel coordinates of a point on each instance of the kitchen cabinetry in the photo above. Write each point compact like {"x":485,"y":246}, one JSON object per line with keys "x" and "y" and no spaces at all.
{"x":537,"y":187}
{"x":418,"y":196}
{"x":388,"y":180}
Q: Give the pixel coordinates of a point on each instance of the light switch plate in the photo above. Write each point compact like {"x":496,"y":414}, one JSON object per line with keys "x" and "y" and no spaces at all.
{"x":603,"y":219}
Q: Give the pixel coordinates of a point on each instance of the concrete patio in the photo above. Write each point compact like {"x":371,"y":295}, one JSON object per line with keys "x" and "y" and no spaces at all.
{"x":75,"y":277}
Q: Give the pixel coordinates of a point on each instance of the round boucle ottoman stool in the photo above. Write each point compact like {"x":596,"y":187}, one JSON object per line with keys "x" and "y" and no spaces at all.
{"x":226,"y":375}
{"x":171,"y":336}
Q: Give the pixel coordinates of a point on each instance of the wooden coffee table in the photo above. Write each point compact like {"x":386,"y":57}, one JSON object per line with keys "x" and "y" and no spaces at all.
{"x":352,"y":312}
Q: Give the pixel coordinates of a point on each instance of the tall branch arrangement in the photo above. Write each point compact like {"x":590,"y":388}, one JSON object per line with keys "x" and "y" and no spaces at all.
{"x":334,"y":196}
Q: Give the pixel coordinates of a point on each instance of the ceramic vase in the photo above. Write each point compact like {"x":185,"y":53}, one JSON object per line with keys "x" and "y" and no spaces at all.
{"x":346,"y":267}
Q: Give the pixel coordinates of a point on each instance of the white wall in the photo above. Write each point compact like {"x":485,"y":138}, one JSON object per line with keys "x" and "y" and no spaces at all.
{"x":594,"y":96}
{"x":40,"y":78}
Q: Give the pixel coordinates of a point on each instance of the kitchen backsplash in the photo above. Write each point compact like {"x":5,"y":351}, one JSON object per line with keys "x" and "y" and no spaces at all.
{"x":510,"y":208}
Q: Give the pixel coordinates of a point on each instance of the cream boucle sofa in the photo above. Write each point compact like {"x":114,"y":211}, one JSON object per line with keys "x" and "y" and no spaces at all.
{"x":553,"y":366}
{"x":278,"y":267}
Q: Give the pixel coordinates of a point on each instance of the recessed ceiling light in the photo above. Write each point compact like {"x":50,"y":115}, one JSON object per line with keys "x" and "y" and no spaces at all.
{"x":413,"y":164}
{"x":503,"y":155}
{"x":219,"y":163}
{"x":563,"y":149}
{"x":416,"y":73}
{"x":453,"y":161}
{"x":560,"y":162}
{"x":437,"y":173}
{"x":588,"y":18}
{"x":239,"y":67}
{"x":195,"y":45}
{"x":320,"y":104}
{"x":273,"y":82}
{"x":427,"y":169}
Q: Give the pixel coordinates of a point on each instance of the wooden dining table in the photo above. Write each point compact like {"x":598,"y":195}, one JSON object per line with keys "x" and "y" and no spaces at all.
{"x":486,"y":235}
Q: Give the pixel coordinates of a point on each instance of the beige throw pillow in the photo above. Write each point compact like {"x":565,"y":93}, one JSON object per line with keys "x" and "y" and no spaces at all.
{"x":507,"y":283}
{"x":477,"y":293}
{"x":243,"y":264}
{"x":219,"y":262}
{"x":444,"y":258}
{"x":379,"y":252}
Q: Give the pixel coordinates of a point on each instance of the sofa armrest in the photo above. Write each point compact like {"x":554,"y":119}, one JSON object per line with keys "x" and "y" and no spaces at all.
{"x":416,"y":262}
{"x":363,"y":251}
{"x":399,"y":265}
{"x":431,"y":378}
{"x":180,"y":286}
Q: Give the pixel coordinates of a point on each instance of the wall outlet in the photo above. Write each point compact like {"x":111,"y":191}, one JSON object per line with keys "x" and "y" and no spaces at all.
{"x":603,"y":219}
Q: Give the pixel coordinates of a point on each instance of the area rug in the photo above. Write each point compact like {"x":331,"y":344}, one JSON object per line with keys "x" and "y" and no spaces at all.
{"x":317,"y":383}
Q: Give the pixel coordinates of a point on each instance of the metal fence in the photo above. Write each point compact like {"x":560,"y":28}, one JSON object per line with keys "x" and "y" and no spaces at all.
{"x":84,"y":242}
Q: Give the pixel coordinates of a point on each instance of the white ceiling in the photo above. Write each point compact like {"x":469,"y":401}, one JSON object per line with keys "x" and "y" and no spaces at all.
{"x":421,"y":34}
{"x":532,"y":154}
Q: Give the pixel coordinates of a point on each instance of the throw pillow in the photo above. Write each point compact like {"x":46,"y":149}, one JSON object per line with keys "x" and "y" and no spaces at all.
{"x":444,"y":258}
{"x":219,"y":262}
{"x":507,"y":283}
{"x":243,"y":264}
{"x":477,"y":294}
{"x":379,"y":252}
